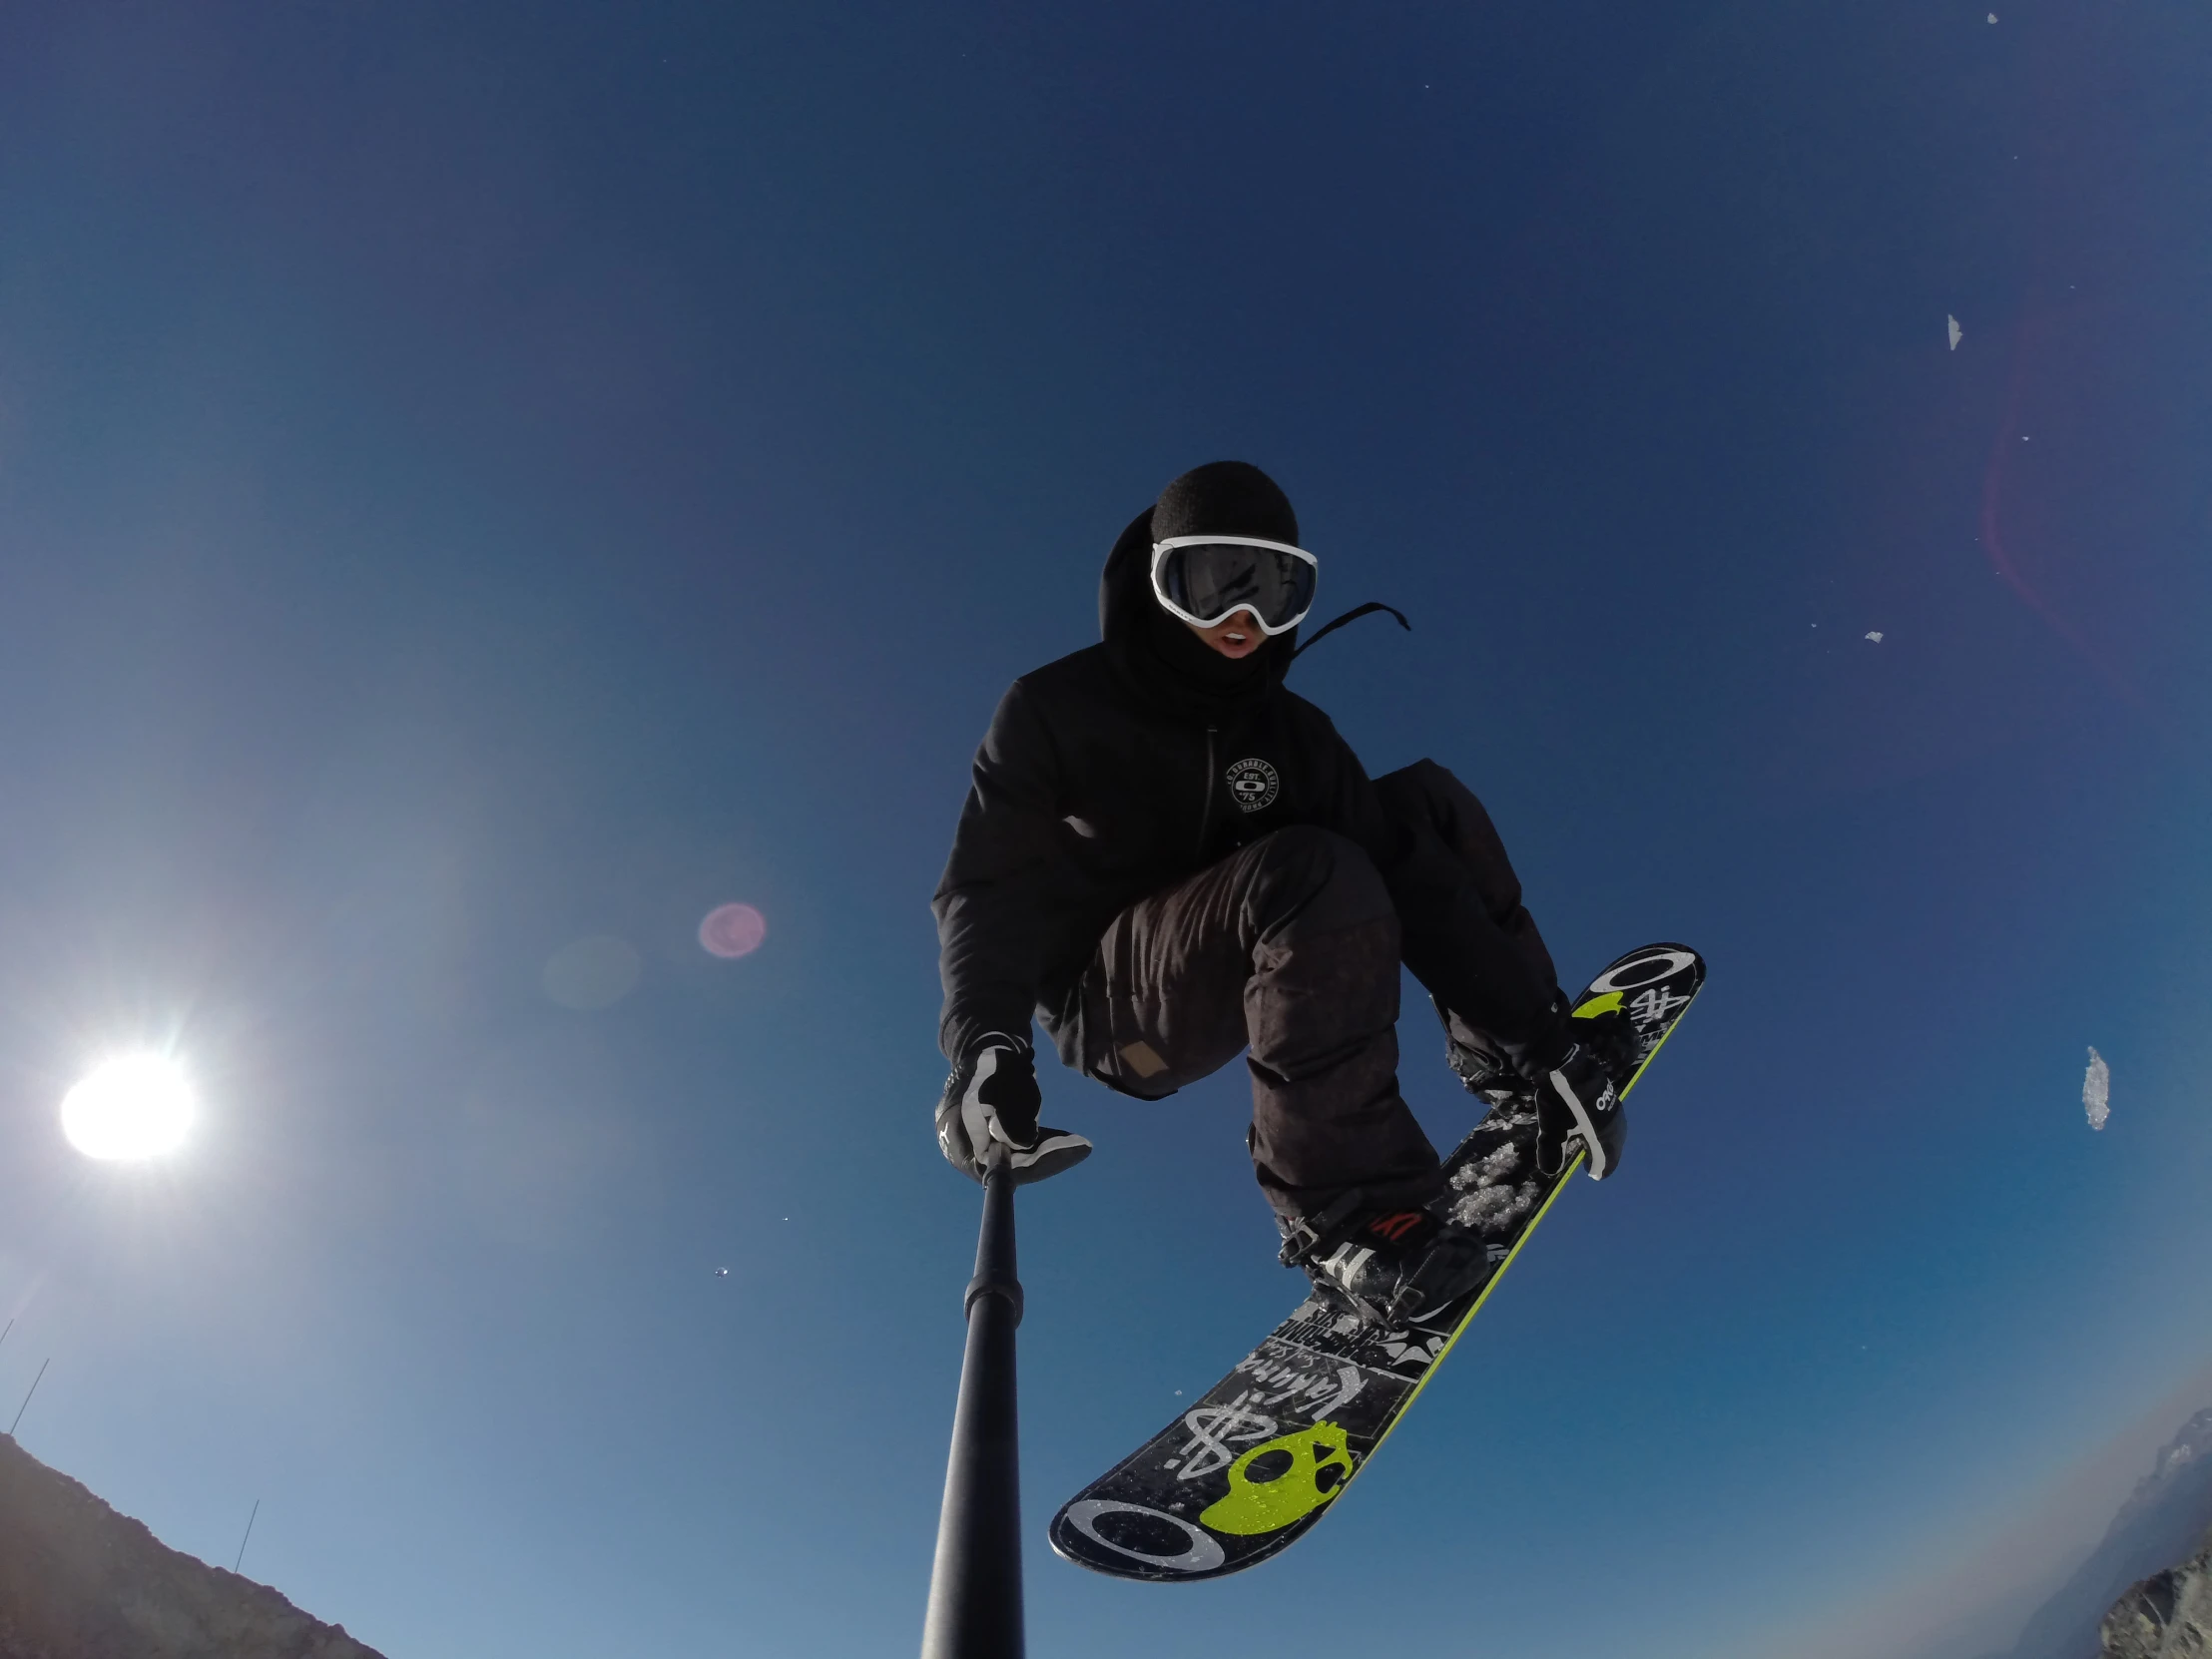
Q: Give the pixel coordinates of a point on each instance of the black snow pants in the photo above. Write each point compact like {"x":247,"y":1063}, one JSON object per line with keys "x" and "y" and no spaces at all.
{"x":1289,"y":948}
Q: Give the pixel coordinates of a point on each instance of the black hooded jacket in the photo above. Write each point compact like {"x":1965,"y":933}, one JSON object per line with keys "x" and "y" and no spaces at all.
{"x":1134,"y":763}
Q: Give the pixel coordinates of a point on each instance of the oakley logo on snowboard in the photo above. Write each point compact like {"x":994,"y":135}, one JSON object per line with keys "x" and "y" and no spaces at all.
{"x":1252,"y":785}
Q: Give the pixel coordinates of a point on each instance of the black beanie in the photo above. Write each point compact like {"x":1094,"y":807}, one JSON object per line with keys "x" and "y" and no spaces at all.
{"x":1225,"y":498}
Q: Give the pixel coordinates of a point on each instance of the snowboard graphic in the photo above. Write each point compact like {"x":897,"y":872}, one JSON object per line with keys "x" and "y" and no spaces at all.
{"x":1245,"y":1473}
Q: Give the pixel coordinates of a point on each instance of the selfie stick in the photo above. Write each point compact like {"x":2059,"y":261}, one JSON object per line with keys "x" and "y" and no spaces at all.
{"x":975,"y":1587}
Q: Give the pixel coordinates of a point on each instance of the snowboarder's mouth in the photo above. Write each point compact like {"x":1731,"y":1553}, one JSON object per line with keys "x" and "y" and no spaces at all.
{"x":1233,"y":639}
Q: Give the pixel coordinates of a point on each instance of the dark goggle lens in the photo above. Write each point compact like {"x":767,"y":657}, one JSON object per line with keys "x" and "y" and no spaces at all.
{"x":1211,"y":579}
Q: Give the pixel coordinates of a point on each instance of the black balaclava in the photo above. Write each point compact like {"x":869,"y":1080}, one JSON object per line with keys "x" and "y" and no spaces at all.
{"x":1168,"y":666}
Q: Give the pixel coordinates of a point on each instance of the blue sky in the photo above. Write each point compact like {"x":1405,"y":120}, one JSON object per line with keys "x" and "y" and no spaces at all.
{"x":475,"y":480}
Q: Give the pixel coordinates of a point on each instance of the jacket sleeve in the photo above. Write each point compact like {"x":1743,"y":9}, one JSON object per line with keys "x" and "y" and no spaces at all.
{"x":1008,"y":869}
{"x":1465,"y":935}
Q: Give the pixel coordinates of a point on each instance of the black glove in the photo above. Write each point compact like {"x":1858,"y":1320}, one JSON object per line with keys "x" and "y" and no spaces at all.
{"x":1612,"y":1037}
{"x":993,"y":1098}
{"x":1576,"y":1101}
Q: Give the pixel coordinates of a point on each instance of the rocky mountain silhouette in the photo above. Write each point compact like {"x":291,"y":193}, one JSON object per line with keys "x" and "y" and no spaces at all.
{"x":2167,"y":1616}
{"x":2160,"y":1523}
{"x":79,"y":1581}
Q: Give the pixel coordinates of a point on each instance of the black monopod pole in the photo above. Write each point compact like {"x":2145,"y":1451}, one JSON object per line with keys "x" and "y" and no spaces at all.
{"x":975,"y":1587}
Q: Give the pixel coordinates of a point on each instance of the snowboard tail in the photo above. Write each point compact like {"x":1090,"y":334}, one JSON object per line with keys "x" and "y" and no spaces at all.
{"x":1253,"y":1466}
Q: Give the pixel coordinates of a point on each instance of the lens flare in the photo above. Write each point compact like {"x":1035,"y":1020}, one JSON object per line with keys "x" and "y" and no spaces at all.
{"x":733,"y":930}
{"x":138,"y":1106}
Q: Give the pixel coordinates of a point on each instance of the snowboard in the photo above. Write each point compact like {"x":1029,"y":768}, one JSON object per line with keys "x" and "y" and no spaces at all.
{"x":1250,"y":1469}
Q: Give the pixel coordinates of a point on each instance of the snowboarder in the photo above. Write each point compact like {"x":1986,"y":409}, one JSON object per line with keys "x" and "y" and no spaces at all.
{"x":1167,"y":859}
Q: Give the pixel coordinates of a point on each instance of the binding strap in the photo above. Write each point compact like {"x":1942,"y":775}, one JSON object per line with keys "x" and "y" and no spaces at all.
{"x":1312,"y":1236}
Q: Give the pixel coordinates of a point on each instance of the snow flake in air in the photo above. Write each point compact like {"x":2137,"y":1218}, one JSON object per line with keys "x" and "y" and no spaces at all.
{"x":1951,"y":323}
{"x":2096,"y":1090}
{"x":1875,"y":636}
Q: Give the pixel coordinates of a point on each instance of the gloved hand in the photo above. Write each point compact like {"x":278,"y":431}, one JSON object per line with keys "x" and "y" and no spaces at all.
{"x":992,"y":1096}
{"x":1575,"y":1099}
{"x":1612,"y":1037}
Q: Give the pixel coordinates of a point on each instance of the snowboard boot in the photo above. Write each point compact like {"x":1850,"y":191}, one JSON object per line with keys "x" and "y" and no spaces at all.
{"x":1480,"y":1062}
{"x":1496,"y":1070}
{"x":1387,"y":1267}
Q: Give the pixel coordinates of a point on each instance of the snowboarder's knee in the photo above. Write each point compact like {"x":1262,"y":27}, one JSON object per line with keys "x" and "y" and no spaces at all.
{"x":1314,"y":856}
{"x":1425,"y":792}
{"x":1318,"y":877}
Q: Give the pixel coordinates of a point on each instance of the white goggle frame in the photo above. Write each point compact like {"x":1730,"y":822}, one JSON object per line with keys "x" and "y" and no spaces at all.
{"x":1161,"y":549}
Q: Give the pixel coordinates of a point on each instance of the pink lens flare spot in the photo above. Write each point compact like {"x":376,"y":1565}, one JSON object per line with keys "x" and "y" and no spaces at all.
{"x":733,"y":930}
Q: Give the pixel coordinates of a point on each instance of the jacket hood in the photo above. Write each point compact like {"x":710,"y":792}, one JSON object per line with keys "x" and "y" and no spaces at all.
{"x":1162,"y":663}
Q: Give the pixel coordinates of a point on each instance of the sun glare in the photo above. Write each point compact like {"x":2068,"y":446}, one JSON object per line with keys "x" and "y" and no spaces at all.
{"x":136,"y":1107}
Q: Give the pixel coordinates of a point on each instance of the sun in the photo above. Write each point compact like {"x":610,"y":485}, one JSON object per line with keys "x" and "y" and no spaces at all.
{"x":138,"y":1106}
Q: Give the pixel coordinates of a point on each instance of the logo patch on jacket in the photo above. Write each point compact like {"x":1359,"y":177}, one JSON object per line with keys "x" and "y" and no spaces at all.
{"x":1252,"y":785}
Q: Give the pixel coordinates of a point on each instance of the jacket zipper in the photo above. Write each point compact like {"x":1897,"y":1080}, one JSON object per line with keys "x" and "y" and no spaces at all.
{"x":1206,"y":815}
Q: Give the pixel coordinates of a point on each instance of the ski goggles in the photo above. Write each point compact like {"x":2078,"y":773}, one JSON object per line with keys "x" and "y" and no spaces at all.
{"x":1206,"y":579}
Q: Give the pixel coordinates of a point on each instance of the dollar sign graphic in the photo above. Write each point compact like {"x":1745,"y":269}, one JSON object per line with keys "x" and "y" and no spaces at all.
{"x":1213,"y":1428}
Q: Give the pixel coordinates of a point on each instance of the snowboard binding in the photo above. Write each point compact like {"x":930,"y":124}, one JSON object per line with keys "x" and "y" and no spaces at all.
{"x":1387,"y":1267}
